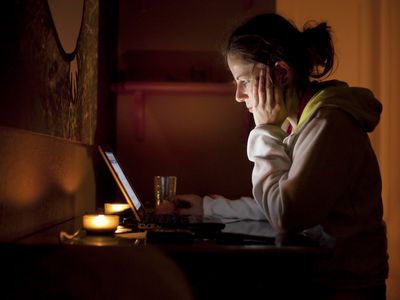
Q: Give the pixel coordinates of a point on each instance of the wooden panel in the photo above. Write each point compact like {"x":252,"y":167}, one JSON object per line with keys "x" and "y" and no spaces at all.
{"x":44,"y":180}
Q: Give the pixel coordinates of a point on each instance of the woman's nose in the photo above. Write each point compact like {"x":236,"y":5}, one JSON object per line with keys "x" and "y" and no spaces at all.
{"x":240,"y":95}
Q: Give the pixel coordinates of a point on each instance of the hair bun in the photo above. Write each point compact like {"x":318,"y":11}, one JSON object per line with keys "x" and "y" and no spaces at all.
{"x":317,"y":39}
{"x":312,"y":31}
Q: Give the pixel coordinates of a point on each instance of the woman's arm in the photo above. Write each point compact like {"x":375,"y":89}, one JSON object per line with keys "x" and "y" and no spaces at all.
{"x":244,"y":208}
{"x":297,"y":191}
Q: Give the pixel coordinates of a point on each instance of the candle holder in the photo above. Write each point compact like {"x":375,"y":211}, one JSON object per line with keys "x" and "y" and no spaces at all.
{"x":100,"y":224}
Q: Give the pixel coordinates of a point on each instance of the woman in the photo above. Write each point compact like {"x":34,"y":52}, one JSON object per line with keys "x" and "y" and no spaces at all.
{"x":314,"y":168}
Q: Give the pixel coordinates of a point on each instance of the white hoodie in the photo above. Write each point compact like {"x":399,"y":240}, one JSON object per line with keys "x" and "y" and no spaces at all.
{"x":324,"y":180}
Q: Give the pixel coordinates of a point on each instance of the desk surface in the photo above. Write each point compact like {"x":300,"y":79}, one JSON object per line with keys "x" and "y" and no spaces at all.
{"x":237,"y":236}
{"x":243,"y":261}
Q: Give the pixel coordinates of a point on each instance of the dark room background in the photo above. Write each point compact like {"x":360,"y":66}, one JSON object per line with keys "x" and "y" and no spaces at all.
{"x":176,"y":112}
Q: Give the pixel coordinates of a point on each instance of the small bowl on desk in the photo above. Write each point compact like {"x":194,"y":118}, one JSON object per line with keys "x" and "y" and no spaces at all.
{"x":100,"y":224}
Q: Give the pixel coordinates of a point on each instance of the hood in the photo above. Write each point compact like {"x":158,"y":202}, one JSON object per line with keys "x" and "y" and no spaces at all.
{"x":358,"y":102}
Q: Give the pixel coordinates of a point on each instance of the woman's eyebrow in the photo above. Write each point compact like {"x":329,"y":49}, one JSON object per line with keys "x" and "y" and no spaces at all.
{"x":242,"y":75}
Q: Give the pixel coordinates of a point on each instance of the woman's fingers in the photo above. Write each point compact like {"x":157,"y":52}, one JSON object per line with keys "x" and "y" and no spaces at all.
{"x":267,"y":96}
{"x":265,"y":90}
{"x":261,"y":91}
{"x":278,"y":92}
{"x":269,"y":90}
{"x":254,"y":92}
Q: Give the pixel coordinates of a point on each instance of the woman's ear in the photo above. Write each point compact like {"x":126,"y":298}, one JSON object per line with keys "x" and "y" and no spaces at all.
{"x":283,"y":73}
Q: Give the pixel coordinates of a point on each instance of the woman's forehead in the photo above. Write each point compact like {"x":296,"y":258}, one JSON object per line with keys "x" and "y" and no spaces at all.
{"x":238,"y":66}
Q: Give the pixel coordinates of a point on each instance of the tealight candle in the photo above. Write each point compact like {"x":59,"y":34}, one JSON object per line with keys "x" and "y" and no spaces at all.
{"x":113,"y":208}
{"x":100,"y":223}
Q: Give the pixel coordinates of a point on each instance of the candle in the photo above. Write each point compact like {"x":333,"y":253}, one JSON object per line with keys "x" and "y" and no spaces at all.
{"x":113,"y":208}
{"x":100,"y":223}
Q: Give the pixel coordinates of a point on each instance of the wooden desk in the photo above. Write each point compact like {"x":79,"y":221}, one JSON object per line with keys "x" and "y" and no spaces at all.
{"x":215,"y":269}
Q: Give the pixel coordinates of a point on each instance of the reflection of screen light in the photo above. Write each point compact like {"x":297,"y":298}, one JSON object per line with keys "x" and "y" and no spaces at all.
{"x":112,"y":208}
{"x":124,"y":180}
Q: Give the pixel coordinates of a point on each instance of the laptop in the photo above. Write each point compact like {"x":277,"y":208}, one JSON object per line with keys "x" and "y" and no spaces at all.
{"x":144,"y":218}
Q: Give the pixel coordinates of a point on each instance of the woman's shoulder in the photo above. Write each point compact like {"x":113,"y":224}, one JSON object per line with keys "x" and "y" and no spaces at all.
{"x":338,"y":98}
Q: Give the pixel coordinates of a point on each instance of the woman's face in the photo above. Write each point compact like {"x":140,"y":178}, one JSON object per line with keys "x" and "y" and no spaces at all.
{"x":243,"y":73}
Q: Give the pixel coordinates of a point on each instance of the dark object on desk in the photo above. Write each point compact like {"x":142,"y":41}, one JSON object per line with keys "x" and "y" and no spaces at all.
{"x":230,"y":238}
{"x":170,"y":236}
{"x":171,"y":223}
{"x":250,"y":232}
{"x":144,"y":218}
{"x":297,"y":239}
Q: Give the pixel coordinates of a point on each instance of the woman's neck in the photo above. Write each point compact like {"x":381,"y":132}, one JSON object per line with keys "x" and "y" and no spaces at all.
{"x":298,"y":100}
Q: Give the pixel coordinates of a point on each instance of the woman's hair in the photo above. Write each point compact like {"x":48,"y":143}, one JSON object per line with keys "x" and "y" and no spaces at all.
{"x":267,"y":38}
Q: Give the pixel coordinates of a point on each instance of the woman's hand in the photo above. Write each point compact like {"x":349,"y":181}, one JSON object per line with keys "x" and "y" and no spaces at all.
{"x":267,"y":93}
{"x":165,"y":208}
{"x":188,"y":204}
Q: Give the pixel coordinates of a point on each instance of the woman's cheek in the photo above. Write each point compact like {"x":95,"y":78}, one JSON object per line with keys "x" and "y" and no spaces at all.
{"x":250,"y":92}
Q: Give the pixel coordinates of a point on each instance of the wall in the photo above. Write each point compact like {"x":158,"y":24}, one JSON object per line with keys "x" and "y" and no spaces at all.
{"x":49,"y":79}
{"x":182,"y":25}
{"x":44,"y":181}
{"x":367,"y":45}
{"x":200,"y":137}
{"x":388,"y":63}
{"x":48,"y":115}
